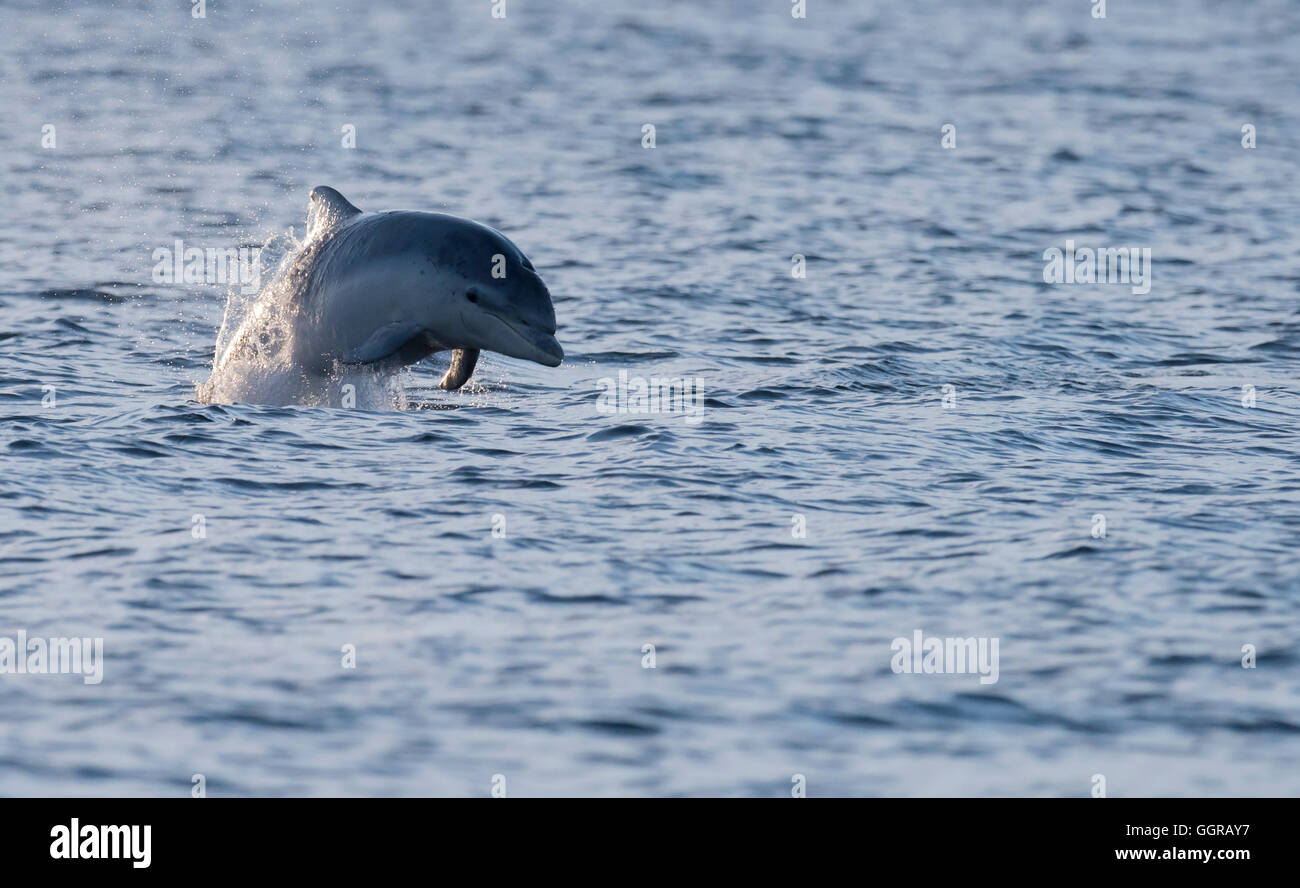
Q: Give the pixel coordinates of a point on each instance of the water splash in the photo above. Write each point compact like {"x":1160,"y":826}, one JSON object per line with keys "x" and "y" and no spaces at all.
{"x":253,"y":361}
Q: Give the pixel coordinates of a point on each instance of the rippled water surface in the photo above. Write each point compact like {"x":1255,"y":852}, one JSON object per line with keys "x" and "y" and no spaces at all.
{"x":522,"y":655}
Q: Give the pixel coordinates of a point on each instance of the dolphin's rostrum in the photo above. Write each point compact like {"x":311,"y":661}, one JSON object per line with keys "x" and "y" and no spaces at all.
{"x":385,"y":290}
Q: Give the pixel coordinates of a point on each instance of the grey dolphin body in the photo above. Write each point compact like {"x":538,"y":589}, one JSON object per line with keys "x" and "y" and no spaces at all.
{"x":389,"y":289}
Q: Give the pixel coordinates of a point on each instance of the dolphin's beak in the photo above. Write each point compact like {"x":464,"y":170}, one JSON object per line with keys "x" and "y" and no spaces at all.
{"x":549,"y":346}
{"x":529,"y":343}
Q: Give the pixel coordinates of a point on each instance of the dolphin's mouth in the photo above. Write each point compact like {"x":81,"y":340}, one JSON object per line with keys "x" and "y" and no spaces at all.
{"x":542,"y":348}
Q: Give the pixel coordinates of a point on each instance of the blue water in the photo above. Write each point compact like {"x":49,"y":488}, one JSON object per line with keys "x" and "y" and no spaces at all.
{"x":522,"y":656}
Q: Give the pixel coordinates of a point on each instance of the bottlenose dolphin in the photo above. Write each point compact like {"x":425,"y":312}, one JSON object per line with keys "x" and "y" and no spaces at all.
{"x":384,"y":290}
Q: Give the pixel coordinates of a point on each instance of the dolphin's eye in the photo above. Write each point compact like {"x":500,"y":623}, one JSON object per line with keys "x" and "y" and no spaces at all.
{"x":471,"y":295}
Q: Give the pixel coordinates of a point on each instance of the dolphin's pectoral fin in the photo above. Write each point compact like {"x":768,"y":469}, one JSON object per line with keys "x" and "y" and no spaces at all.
{"x":393,"y":341}
{"x":327,"y":211}
{"x":462,"y":367}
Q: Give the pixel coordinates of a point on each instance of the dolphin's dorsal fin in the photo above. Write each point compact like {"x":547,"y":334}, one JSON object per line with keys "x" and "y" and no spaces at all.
{"x":327,"y":211}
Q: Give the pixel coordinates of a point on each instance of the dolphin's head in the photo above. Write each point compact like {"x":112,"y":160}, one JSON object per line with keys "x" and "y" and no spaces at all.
{"x":497,"y":301}
{"x":398,"y":286}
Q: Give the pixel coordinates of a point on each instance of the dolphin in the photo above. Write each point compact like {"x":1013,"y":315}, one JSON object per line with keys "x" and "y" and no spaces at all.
{"x":385,"y":290}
